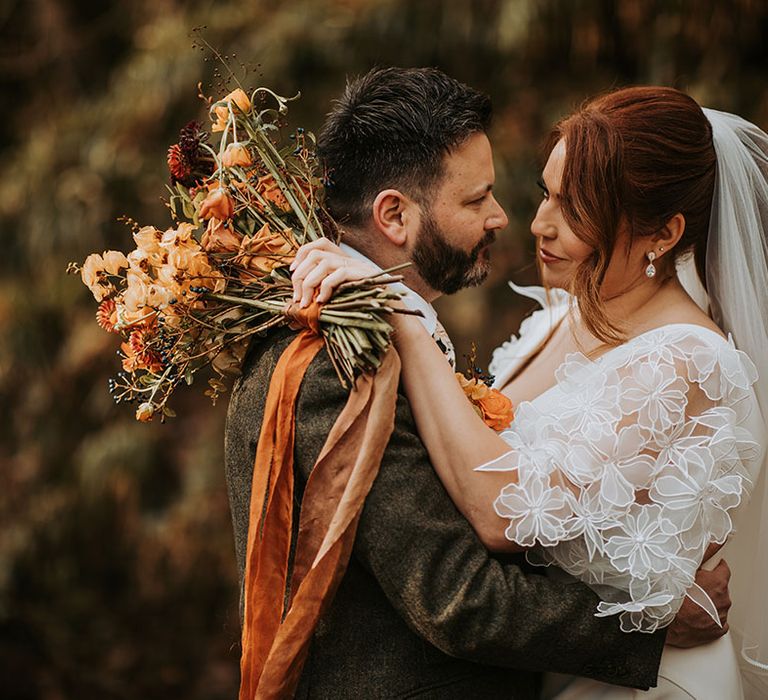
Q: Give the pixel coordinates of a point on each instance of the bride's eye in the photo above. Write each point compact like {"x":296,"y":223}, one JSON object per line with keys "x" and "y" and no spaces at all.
{"x":543,"y":188}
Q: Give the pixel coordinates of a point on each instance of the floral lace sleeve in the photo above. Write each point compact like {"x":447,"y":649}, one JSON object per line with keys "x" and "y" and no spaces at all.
{"x":631,"y":465}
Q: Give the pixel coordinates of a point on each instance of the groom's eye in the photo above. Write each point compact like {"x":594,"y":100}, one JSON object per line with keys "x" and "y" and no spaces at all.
{"x":543,"y":188}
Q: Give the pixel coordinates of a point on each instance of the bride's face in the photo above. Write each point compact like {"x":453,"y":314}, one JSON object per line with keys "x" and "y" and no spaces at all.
{"x":559,"y":250}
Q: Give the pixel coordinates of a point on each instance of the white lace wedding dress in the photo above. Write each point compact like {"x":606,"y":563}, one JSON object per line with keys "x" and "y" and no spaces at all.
{"x":628,"y":468}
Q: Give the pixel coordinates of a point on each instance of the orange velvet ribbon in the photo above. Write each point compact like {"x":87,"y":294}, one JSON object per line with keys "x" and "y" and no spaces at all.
{"x":279,"y":620}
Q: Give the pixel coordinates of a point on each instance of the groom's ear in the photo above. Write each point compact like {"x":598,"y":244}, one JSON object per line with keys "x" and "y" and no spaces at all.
{"x":395,"y":215}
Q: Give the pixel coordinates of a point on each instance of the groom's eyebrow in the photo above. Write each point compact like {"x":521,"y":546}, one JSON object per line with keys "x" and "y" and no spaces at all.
{"x":480,"y":191}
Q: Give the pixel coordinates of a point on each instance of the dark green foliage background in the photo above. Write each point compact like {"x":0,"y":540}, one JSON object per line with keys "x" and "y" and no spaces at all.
{"x":117,"y":571}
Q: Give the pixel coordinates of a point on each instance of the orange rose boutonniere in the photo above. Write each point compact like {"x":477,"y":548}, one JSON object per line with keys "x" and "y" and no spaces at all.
{"x":490,"y":404}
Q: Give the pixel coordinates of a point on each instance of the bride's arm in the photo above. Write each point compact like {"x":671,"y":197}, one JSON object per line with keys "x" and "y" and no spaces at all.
{"x":455,"y":436}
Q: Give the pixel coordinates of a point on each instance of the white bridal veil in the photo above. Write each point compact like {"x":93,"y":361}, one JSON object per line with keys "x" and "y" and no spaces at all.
{"x":737,"y":282}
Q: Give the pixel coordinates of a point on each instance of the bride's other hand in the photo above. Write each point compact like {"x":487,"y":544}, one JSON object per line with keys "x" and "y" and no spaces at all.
{"x":320,"y":267}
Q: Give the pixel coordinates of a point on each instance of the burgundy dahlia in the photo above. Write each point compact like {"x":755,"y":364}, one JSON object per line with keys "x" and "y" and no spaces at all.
{"x":188,"y":160}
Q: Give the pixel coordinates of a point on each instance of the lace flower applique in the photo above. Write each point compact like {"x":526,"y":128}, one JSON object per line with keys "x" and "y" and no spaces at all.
{"x":651,"y":441}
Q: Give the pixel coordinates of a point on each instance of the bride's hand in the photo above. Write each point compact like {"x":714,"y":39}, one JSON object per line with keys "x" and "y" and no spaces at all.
{"x":320,"y":267}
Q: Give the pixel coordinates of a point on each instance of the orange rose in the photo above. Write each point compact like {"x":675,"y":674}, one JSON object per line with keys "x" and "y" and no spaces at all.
{"x":217,"y":205}
{"x":236,"y":154}
{"x":497,"y":410}
{"x":269,"y":189}
{"x":220,"y":238}
{"x":491,"y":405}
{"x":263,"y":252}
{"x":222,"y":107}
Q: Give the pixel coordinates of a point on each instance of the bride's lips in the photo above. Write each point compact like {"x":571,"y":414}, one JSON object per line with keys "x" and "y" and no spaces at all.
{"x":547,"y":257}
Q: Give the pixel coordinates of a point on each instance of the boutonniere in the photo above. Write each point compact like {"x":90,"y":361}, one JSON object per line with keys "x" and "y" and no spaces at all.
{"x":490,"y":404}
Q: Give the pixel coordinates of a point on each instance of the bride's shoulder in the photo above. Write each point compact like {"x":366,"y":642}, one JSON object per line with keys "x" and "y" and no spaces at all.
{"x":699,"y":353}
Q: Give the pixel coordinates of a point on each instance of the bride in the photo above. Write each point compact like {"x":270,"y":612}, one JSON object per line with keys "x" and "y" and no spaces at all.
{"x":638,"y":432}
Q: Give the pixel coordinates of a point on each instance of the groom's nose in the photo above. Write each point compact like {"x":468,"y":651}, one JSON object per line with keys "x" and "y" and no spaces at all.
{"x":498,"y":218}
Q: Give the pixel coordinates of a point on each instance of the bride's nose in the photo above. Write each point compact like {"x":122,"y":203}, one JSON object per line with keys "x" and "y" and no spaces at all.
{"x":542,"y":225}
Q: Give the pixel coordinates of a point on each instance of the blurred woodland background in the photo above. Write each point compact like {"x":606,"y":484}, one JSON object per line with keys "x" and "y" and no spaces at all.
{"x":117,"y":573}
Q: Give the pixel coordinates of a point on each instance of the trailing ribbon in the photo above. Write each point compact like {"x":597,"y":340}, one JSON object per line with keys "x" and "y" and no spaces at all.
{"x":279,"y":621}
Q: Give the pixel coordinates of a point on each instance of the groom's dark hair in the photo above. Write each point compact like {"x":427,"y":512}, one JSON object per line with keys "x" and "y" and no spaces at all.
{"x":393,"y":127}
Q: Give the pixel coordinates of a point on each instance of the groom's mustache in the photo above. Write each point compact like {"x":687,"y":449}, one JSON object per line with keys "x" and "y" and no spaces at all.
{"x":486,"y":240}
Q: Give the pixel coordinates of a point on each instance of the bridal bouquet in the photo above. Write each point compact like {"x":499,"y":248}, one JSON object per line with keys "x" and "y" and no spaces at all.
{"x":191,"y":296}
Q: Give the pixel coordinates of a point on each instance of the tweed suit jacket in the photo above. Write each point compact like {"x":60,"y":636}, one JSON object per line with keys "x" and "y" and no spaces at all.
{"x":423,"y":611}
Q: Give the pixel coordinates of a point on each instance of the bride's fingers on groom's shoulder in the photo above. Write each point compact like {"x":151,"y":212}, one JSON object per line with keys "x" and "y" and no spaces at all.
{"x":321,"y":244}
{"x":328,"y":266}
{"x":330,"y":272}
{"x":311,"y":259}
{"x":330,"y":283}
{"x":304,"y":268}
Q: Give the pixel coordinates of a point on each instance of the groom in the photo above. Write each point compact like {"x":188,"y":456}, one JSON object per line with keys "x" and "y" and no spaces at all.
{"x":423,"y":609}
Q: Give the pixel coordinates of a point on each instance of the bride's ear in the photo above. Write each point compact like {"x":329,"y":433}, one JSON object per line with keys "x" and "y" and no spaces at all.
{"x":666,"y":239}
{"x":395,"y":216}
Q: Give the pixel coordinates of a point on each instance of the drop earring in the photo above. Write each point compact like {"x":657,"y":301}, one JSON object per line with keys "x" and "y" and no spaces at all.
{"x":650,"y":271}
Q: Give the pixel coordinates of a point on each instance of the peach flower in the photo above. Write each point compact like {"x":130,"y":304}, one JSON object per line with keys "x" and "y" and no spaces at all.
{"x":114,"y":261}
{"x":178,"y":236}
{"x":142,"y":263}
{"x":136,"y":291}
{"x":147,"y":241}
{"x":95,"y":271}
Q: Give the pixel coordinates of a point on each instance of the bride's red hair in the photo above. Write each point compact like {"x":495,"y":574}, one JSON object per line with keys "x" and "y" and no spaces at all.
{"x":634,"y":157}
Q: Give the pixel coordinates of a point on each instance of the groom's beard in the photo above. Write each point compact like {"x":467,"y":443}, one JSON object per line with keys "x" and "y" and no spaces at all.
{"x":444,"y":267}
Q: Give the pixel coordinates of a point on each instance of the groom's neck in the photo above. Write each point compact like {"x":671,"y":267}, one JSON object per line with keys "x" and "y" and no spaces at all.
{"x":386,"y":255}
